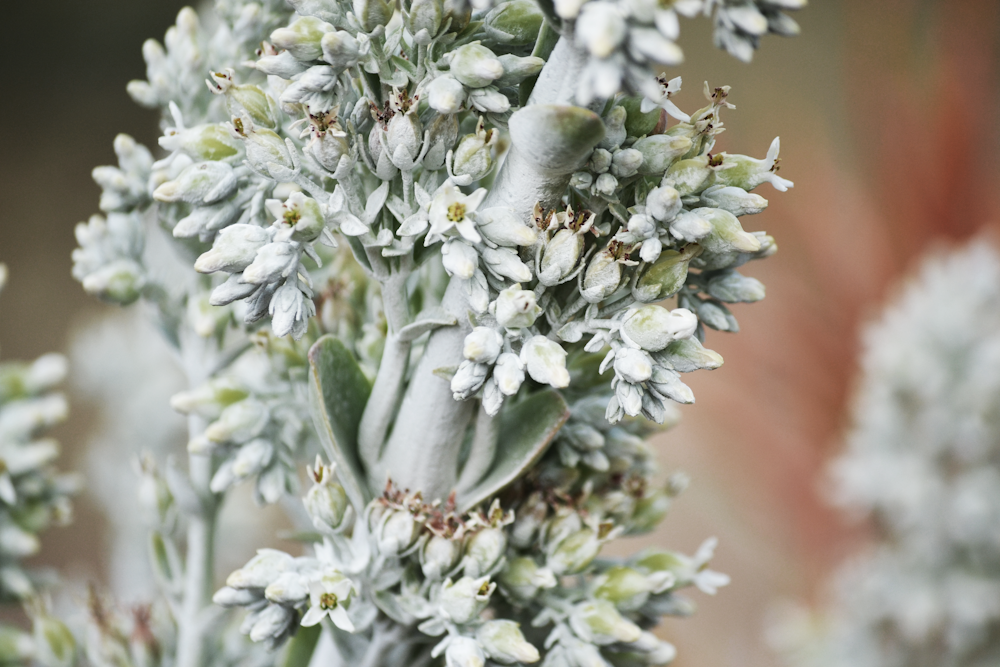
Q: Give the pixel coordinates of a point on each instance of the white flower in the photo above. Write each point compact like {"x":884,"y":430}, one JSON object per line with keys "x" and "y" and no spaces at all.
{"x":601,"y":28}
{"x":459,"y":259}
{"x":482,"y":345}
{"x":451,"y":209}
{"x":329,"y":597}
{"x":508,"y":373}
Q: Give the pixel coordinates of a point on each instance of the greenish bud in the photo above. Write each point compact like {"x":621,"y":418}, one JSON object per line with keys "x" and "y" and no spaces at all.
{"x":732,"y":287}
{"x":687,"y":355}
{"x":515,"y":23}
{"x":516,"y":308}
{"x":666,"y":276}
{"x":327,"y":502}
{"x":203,"y":142}
{"x":439,"y":555}
{"x":459,"y":12}
{"x":626,"y":162}
{"x":735,"y":200}
{"x":239,"y":422}
{"x":443,"y":132}
{"x":517,"y":69}
{"x":649,"y":512}
{"x":614,"y":123}
{"x":247,"y":99}
{"x":727,"y":235}
{"x":600,"y":160}
{"x":264,"y":147}
{"x":637,"y":123}
{"x":120,"y":281}
{"x":16,"y":647}
{"x":473,"y":157}
{"x":560,"y":257}
{"x":603,"y":275}
{"x":653,"y":327}
{"x":747,"y":173}
{"x":425,"y":15}
{"x":372,"y":13}
{"x":624,"y":587}
{"x":598,"y":622}
{"x":462,"y":601}
{"x":575,"y":553}
{"x":475,"y":65}
{"x":503,"y":642}
{"x":54,"y":643}
{"x":659,"y":152}
{"x":201,"y":183}
{"x":484,"y":551}
{"x":302,"y":38}
{"x":523,"y":578}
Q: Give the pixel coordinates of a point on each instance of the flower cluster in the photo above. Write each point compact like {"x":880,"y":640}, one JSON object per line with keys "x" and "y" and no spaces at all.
{"x":463,"y":273}
{"x":921,"y":461}
{"x":477,"y":586}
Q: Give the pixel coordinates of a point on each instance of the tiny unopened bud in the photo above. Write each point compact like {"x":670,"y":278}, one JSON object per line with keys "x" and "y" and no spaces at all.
{"x":234,"y":249}
{"x":600,"y":160}
{"x":545,"y":361}
{"x":397,"y":531}
{"x":606,"y":184}
{"x":500,"y":225}
{"x":663,"y":203}
{"x":202,"y":183}
{"x":445,"y":94}
{"x":560,"y":257}
{"x":603,"y":275}
{"x":459,"y":259}
{"x":727,"y":234}
{"x":468,"y":379}
{"x":505,"y":262}
{"x":372,"y":13}
{"x":261,"y":570}
{"x":239,"y":422}
{"x":482,"y":345}
{"x":439,"y":555}
{"x":120,"y":281}
{"x":653,"y":327}
{"x":443,"y":132}
{"x":425,"y":15}
{"x":503,"y":642}
{"x":273,"y":262}
{"x":516,"y":308}
{"x":340,"y":49}
{"x":473,"y":157}
{"x":598,"y":622}
{"x":574,"y":553}
{"x":515,"y":22}
{"x":626,"y":162}
{"x":660,"y":151}
{"x":302,"y":37}
{"x":464,"y":652}
{"x":327,"y":504}
{"x":633,"y":365}
{"x":475,"y":65}
{"x":483,"y":551}
{"x":666,"y":276}
{"x":508,"y":373}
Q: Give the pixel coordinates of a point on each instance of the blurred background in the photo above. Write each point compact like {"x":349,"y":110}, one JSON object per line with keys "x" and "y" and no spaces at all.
{"x":887,"y":115}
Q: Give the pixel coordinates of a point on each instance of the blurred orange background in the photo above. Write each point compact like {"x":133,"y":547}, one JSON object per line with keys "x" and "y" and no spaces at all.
{"x":887,"y":115}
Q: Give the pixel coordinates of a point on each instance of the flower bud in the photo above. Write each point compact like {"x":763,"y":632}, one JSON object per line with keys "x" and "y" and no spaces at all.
{"x":120,"y":281}
{"x":516,"y":308}
{"x":488,"y":100}
{"x":515,"y":23}
{"x":581,"y":180}
{"x":246,"y":99}
{"x":508,"y":373}
{"x":689,"y":177}
{"x":606,"y":184}
{"x":290,"y":310}
{"x":687,"y":355}
{"x":283,"y":65}
{"x":202,"y":142}
{"x":54,"y":645}
{"x":384,"y":167}
{"x":653,"y":327}
{"x":516,"y":69}
{"x":600,"y":160}
{"x":443,"y":132}
{"x":716,"y":316}
{"x":506,"y":263}
{"x":600,"y":28}
{"x":459,"y":12}
{"x":626,"y":162}
{"x":274,"y":621}
{"x":732,"y":287}
{"x":659,"y":151}
{"x":202,"y":183}
{"x":628,"y":589}
{"x":445,"y":94}
{"x":666,"y":276}
{"x":602,"y":277}
{"x":464,"y":652}
{"x":560,"y":257}
{"x":327,"y":503}
{"x":239,"y":422}
{"x":462,"y":601}
{"x":503,"y":642}
{"x":234,"y":249}
{"x":482,"y":345}
{"x":372,"y":13}
{"x":468,"y":379}
{"x":425,"y":15}
{"x":263,"y":146}
{"x":545,"y":361}
{"x":327,"y":147}
{"x":473,"y":156}
{"x":289,"y":589}
{"x":500,"y":225}
{"x":523,"y":578}
{"x":633,"y":365}
{"x":690,"y":227}
{"x":459,"y":259}
{"x":302,"y":38}
{"x":398,"y":530}
{"x":735,"y":200}
{"x":614,"y":124}
{"x":273,"y":262}
{"x":261,"y":570}
{"x":403,"y":138}
{"x":483,"y":551}
{"x":340,"y":49}
{"x":649,"y":511}
{"x":574,"y":553}
{"x":475,"y":65}
{"x":439,"y":555}
{"x":663,"y":203}
{"x":598,"y":622}
{"x":637,"y":123}
{"x":669,"y":384}
{"x":727,"y":234}
{"x":237,"y":597}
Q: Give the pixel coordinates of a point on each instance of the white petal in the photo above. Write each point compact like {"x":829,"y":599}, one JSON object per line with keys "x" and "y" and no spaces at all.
{"x":339,"y":617}
{"x":312,"y":617}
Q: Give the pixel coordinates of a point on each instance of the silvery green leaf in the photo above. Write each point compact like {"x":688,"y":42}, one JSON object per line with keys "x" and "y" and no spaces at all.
{"x":732,"y":287}
{"x":426,"y":321}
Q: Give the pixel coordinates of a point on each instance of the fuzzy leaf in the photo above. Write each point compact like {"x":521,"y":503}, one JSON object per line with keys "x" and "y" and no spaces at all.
{"x":526,"y":430}
{"x":427,"y":321}
{"x":338,"y":392}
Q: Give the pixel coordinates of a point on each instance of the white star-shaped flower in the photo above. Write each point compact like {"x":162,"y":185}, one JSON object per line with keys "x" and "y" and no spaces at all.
{"x":329,"y":597}
{"x":451,"y":209}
